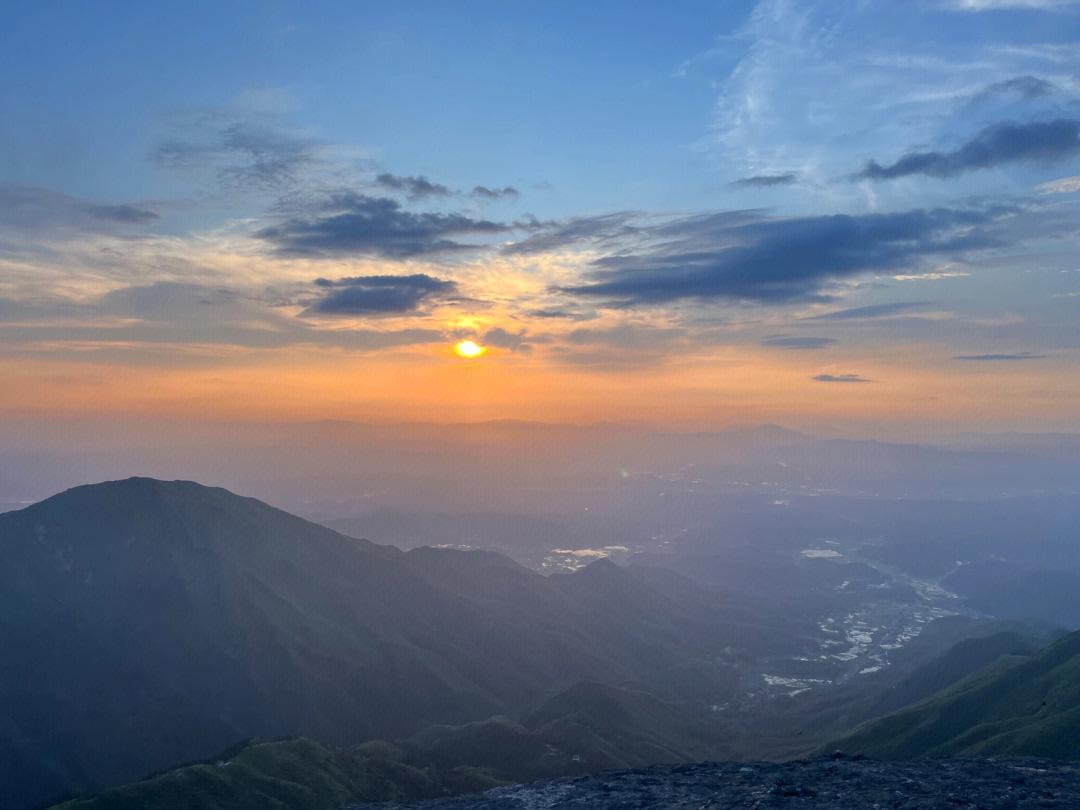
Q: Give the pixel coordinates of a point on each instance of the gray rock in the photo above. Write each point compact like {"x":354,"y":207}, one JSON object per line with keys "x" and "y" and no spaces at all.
{"x":837,"y":782}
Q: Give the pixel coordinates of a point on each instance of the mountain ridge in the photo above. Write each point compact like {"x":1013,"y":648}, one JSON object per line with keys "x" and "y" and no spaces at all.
{"x":150,"y":623}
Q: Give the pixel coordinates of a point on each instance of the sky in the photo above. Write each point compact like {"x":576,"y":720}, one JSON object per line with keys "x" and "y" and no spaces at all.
{"x":840,"y":215}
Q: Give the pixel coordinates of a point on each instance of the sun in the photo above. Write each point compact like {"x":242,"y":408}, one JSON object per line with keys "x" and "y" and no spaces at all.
{"x":468,"y":349}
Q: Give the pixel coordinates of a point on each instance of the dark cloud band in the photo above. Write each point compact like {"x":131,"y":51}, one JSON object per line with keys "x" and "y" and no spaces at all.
{"x":1002,"y":143}
{"x":360,"y":225}
{"x":742,"y":258}
{"x":415,"y":188}
{"x":766,"y":180}
{"x":379,"y":295}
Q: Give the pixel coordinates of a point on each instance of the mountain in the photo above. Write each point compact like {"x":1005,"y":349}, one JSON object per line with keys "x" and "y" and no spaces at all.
{"x":298,"y":774}
{"x":1027,"y":706}
{"x":148,"y":623}
{"x":587,"y":728}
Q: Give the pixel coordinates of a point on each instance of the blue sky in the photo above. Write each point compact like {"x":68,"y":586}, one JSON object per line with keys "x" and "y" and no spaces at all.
{"x":501,"y":91}
{"x":591,"y":188}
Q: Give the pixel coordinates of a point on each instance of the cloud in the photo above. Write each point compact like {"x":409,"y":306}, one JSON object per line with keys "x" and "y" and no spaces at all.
{"x":247,"y":151}
{"x":561,"y":313}
{"x":500,"y":338}
{"x":728,"y":256}
{"x":1006,"y":142}
{"x":980,"y":357}
{"x":128,"y":214}
{"x":1066,"y":185}
{"x":574,"y":231}
{"x":162,"y":300}
{"x":872,"y":311}
{"x":766,"y":180}
{"x":379,"y":295}
{"x":1002,"y":5}
{"x":31,"y":207}
{"x":355,"y":224}
{"x":649,"y":339}
{"x":840,"y":378}
{"x":494,"y":193}
{"x":1026,"y":87}
{"x":791,"y":342}
{"x":415,"y":188}
{"x":418,"y":188}
{"x":183,"y":322}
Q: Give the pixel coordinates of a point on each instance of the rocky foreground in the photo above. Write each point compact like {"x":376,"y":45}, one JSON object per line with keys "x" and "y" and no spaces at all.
{"x":837,"y":782}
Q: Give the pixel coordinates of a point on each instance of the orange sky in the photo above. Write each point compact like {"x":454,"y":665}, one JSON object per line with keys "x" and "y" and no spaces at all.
{"x":732,"y":384}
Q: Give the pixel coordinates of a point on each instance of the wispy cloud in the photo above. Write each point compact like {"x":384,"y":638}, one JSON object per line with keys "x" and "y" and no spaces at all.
{"x":1065,"y":185}
{"x":840,"y":378}
{"x":816,"y":80}
{"x":575,"y":231}
{"x":1004,"y":5}
{"x":1027,"y":87}
{"x":766,"y":180}
{"x":245,"y":151}
{"x":793,"y":342}
{"x":30,"y":207}
{"x":872,"y":311}
{"x":980,"y":357}
{"x":187,"y":319}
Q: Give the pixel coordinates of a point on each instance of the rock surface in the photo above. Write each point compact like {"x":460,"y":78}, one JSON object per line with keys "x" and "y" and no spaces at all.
{"x":834,"y":783}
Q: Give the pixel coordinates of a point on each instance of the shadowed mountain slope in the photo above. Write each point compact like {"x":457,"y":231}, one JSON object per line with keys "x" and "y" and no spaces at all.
{"x":1029,"y":706}
{"x":148,"y":623}
{"x":297,"y":774}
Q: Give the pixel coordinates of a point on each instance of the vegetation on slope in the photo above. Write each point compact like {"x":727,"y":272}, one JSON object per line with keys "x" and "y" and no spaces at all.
{"x":296,"y":774}
{"x":148,"y":623}
{"x":1027,"y":707}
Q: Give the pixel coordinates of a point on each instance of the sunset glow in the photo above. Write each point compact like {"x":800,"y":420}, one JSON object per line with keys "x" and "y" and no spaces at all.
{"x":778,"y":244}
{"x":468,"y":349}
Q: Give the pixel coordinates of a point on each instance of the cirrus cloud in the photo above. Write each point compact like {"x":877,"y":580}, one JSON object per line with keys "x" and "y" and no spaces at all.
{"x":840,"y":378}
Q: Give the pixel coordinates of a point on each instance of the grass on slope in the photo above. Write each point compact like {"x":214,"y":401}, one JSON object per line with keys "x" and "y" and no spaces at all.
{"x":1029,"y":707}
{"x":295,"y":774}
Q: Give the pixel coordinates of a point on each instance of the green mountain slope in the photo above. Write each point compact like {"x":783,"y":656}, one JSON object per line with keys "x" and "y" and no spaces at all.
{"x":147,"y":623}
{"x":296,"y":774}
{"x":1029,"y":707}
{"x":589,"y":727}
